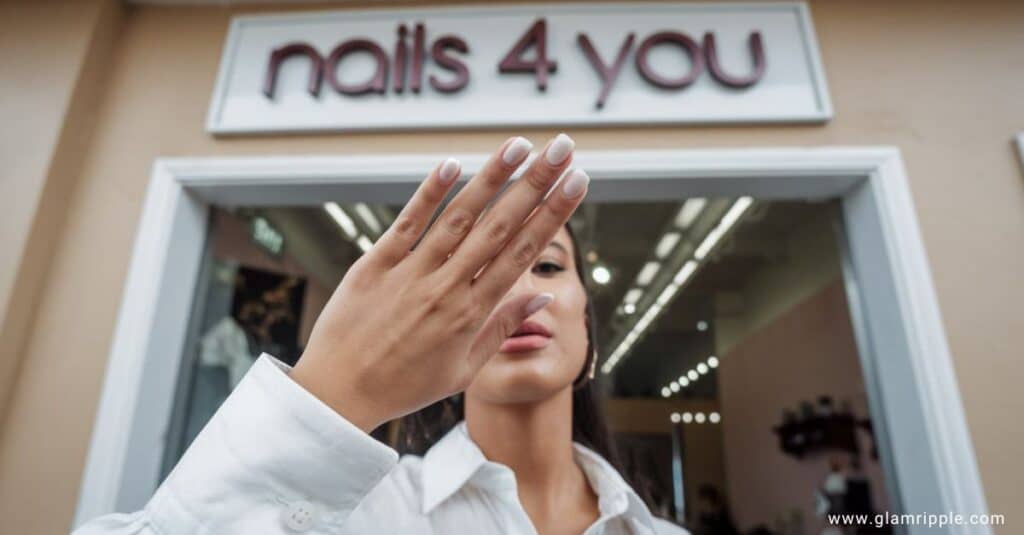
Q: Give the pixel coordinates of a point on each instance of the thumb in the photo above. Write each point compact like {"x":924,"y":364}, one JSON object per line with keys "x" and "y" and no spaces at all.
{"x":504,"y":321}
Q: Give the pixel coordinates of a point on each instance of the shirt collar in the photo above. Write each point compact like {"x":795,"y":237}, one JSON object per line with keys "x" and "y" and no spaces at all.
{"x":456,"y":460}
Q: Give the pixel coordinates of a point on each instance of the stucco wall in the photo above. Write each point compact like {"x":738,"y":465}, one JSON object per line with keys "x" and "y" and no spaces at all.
{"x":942,"y":81}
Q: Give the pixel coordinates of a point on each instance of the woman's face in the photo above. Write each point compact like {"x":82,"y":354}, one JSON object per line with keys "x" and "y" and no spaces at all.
{"x":548,"y":353}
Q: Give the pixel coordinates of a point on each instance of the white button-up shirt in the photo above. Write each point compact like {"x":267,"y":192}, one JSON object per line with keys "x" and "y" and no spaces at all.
{"x":274,"y":459}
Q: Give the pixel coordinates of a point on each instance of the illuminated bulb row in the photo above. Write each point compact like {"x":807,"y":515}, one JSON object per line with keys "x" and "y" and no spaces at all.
{"x":699,"y":417}
{"x":689,"y":211}
{"x":349,"y":227}
{"x":690,"y":376}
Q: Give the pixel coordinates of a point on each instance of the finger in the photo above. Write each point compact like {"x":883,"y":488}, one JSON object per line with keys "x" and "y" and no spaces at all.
{"x":394,"y":245}
{"x":504,"y":321}
{"x":506,"y":216}
{"x":522,"y":250}
{"x":462,"y":212}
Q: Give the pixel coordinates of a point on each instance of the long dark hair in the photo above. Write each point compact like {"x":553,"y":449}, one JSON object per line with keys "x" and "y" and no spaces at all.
{"x":420,"y":430}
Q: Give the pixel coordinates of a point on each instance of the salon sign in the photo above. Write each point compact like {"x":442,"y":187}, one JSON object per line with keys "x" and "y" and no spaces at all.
{"x":524,"y":65}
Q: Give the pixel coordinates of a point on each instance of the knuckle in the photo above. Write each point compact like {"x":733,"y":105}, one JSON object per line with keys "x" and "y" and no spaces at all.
{"x":406,"y":228}
{"x":459,"y":221}
{"x":539,"y":182}
{"x":523,"y":252}
{"x":498,"y":231}
{"x":434,"y":194}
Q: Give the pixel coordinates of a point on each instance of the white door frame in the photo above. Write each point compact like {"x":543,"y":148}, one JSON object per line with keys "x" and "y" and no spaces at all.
{"x":915,"y":399}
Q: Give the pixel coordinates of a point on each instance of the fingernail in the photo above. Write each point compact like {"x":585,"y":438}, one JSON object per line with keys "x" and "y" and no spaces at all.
{"x":559,"y":149}
{"x":539,"y":302}
{"x":516,"y":151}
{"x":449,"y":170}
{"x":575,"y":183}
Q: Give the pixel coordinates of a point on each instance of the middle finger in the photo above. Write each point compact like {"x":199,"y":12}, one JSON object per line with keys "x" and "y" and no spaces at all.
{"x":505,"y":218}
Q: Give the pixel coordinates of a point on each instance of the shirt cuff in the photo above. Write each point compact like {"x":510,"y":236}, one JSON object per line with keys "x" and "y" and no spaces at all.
{"x":284,"y":438}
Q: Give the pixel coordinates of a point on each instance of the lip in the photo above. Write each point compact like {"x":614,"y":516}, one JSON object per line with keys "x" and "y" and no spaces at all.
{"x":530,"y":336}
{"x":532,"y":327}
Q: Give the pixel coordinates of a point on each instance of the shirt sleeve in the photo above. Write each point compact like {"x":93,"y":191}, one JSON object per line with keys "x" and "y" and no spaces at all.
{"x":273,"y":459}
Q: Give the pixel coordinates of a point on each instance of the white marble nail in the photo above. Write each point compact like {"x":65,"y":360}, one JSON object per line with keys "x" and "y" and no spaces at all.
{"x":516,"y":151}
{"x":538,"y":302}
{"x":560,"y":149}
{"x":575,"y":183}
{"x":449,"y":170}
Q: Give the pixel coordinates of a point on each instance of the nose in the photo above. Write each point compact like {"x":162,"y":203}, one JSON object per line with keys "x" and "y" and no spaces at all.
{"x":524,"y":284}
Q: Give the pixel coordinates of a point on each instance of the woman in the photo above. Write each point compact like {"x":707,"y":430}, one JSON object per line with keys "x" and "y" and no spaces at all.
{"x":490,"y":305}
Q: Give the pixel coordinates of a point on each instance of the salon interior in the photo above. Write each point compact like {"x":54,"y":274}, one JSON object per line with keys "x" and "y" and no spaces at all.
{"x":728,"y":362}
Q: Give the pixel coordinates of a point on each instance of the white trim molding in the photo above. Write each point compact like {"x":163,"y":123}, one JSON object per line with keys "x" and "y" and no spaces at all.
{"x":916,"y":407}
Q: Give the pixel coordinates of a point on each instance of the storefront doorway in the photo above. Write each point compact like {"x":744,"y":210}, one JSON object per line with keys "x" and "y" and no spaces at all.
{"x":860,"y":195}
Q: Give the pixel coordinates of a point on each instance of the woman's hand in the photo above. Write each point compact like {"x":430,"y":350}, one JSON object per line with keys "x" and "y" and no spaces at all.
{"x":406,"y":328}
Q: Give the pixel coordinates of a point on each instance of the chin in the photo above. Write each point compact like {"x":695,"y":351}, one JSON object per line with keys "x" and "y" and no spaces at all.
{"x":521,"y":378}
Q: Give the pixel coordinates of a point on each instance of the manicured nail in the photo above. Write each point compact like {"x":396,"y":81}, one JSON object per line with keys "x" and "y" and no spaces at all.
{"x":516,"y":151}
{"x":560,"y":149}
{"x":449,"y":170}
{"x":539,"y":302}
{"x":575,"y":183}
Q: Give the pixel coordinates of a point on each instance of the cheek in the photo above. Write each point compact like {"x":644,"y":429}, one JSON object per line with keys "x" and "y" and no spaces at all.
{"x":571,"y":334}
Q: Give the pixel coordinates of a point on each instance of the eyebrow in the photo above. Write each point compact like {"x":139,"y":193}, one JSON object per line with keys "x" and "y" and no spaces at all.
{"x":560,"y":246}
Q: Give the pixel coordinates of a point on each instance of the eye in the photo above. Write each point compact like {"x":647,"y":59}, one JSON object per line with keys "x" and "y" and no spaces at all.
{"x":547,"y":267}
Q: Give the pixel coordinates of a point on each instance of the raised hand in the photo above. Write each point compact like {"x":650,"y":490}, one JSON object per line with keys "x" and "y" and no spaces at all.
{"x":406,"y":328}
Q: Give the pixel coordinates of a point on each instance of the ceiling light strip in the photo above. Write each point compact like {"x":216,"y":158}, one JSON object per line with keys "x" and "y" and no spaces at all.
{"x":646,"y":275}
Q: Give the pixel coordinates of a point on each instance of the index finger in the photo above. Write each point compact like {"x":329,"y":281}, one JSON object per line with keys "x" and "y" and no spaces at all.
{"x":394,"y":245}
{"x":520,"y":252}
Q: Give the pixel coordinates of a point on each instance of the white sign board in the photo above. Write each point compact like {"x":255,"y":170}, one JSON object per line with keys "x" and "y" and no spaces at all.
{"x":498,"y":66}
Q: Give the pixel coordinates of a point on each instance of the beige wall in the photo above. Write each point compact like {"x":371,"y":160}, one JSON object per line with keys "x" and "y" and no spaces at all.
{"x":54,"y":57}
{"x":943,"y":82}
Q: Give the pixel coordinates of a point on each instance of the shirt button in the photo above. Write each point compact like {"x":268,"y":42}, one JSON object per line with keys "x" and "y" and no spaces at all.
{"x":299,"y":516}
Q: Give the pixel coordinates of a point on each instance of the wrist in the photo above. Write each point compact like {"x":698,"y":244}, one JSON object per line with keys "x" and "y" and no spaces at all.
{"x":342,"y":398}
